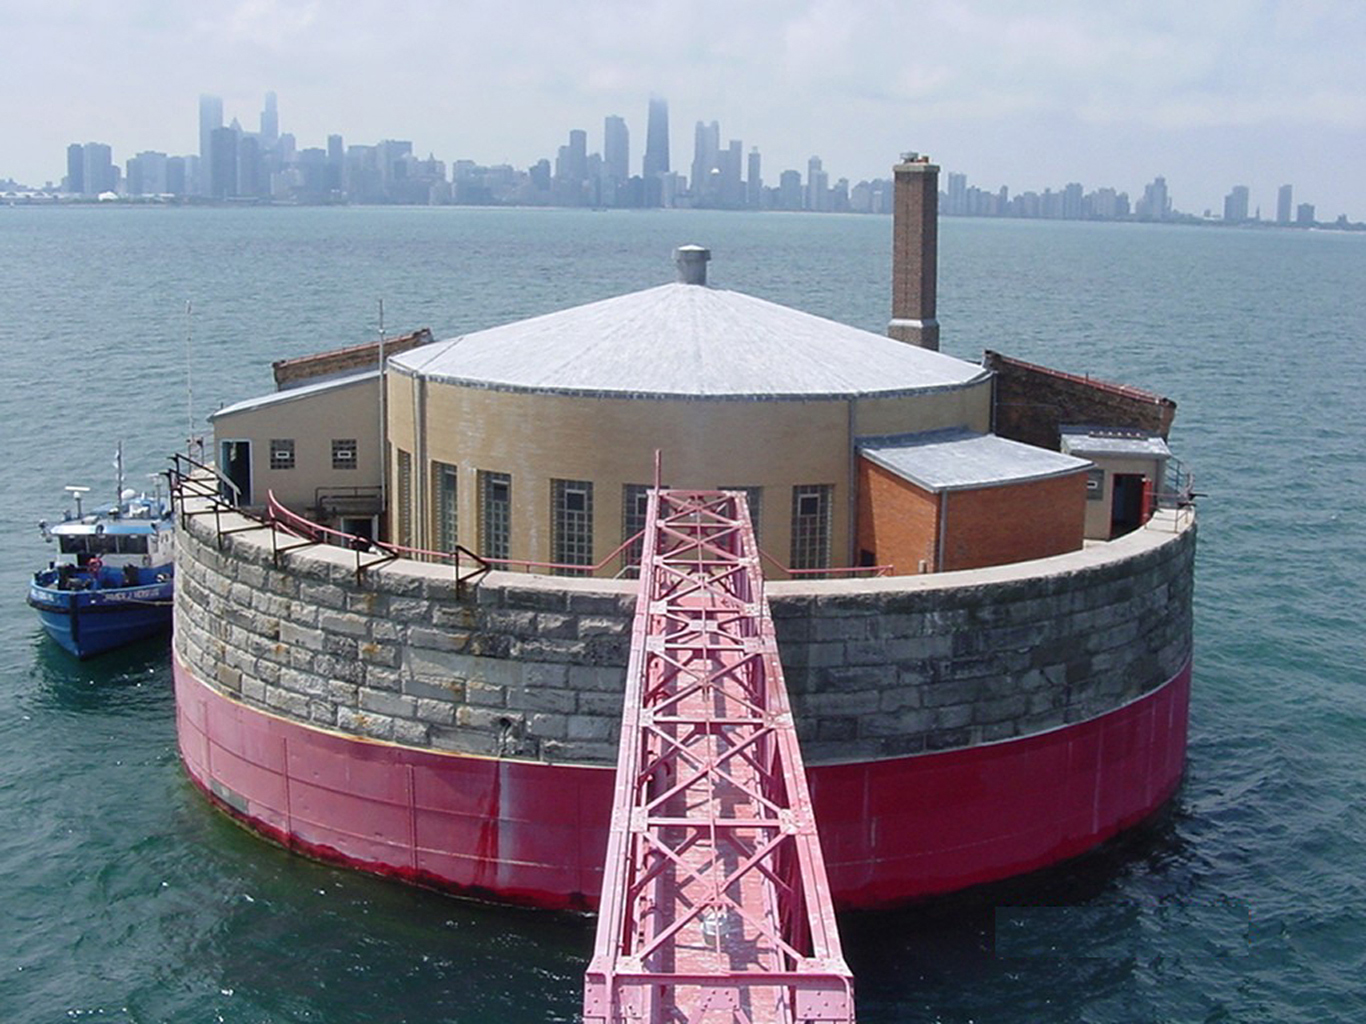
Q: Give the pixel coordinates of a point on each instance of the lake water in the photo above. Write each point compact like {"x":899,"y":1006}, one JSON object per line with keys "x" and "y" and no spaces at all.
{"x":128,"y":899}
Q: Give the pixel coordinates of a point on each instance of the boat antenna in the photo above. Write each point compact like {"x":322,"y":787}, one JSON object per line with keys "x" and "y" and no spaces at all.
{"x":383,"y":454}
{"x":118,"y":475}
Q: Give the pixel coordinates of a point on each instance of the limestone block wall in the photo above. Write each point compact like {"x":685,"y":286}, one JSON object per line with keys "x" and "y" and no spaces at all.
{"x":533,"y":667}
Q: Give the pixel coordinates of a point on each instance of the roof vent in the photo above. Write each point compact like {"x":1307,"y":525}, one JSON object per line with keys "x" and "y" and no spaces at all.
{"x":691,"y":261}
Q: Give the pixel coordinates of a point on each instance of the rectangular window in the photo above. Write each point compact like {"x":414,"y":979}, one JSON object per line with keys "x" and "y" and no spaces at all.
{"x":495,"y":514}
{"x":571,"y":524}
{"x":754,"y":496}
{"x":811,"y":526}
{"x":405,"y":498}
{"x":443,"y":486}
{"x":344,"y":453}
{"x":635,"y":502}
{"x":1095,"y":484}
{"x":282,"y":453}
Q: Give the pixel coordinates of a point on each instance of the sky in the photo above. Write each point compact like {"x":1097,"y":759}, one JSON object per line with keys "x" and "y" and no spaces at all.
{"x":1030,"y":94}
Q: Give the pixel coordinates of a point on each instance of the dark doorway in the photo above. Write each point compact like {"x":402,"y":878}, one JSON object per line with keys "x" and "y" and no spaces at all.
{"x":234,"y":460}
{"x":1126,"y":504}
{"x":359,"y":526}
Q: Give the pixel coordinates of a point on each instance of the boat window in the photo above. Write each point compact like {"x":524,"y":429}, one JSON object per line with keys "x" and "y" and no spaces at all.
{"x":132,"y":544}
{"x":103,"y":544}
{"x":70,"y":544}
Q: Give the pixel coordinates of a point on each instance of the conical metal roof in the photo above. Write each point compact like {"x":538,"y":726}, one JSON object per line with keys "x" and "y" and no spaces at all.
{"x":686,"y":341}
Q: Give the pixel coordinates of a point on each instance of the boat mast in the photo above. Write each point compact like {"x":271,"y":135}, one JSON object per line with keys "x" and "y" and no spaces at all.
{"x":118,"y":475}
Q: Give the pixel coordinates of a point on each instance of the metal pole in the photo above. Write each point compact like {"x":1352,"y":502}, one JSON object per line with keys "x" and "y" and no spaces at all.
{"x":383,"y":426}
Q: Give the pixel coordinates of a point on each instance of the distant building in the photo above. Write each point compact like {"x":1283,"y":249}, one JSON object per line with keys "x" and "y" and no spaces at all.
{"x":222,"y":163}
{"x":656,"y":163}
{"x":817,"y":186}
{"x":754,"y":181}
{"x":1304,"y":215}
{"x":210,"y":121}
{"x":1283,"y":200}
{"x":1235,"y":205}
{"x":270,"y":123}
{"x":146,"y":175}
{"x":706,"y":149}
{"x":616,"y":160}
{"x":90,"y":169}
{"x":75,"y":168}
{"x":1156,"y":204}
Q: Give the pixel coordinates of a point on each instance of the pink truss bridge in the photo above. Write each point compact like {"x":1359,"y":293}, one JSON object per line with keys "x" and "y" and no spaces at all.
{"x":715,"y":904}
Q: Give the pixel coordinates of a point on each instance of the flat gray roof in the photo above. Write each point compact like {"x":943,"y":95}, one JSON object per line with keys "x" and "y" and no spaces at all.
{"x":954,"y":460}
{"x":1113,"y":441}
{"x":293,"y":394}
{"x":689,"y":341}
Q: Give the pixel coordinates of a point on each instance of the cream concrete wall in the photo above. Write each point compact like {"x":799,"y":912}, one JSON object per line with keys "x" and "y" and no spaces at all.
{"x":312,"y":421}
{"x":537,"y":438}
{"x":968,"y":407}
{"x":1098,"y":512}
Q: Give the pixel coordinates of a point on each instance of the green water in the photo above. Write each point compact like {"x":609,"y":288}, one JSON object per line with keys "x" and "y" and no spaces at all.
{"x":128,"y":900}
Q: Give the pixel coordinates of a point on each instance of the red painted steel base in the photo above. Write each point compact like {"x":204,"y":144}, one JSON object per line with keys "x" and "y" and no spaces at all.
{"x":524,"y":832}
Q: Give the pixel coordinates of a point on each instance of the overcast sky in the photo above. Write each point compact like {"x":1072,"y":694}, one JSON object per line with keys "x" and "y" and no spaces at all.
{"x":1208,"y":93}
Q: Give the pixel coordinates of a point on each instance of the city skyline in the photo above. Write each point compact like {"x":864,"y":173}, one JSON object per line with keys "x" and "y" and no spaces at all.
{"x":1032,"y":94}
{"x":237,"y":163}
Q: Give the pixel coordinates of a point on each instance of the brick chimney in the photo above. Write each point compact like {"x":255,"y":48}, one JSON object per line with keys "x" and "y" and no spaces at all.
{"x":915,"y":252}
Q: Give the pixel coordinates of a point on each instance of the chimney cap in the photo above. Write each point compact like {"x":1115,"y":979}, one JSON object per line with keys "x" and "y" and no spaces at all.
{"x":691,"y":261}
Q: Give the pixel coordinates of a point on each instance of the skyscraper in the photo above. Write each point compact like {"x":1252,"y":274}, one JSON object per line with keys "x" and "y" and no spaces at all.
{"x":616,"y":157}
{"x":817,"y":186}
{"x":1283,"y":200}
{"x":270,"y":123}
{"x":97,"y":169}
{"x":210,"y":120}
{"x":657,"y":139}
{"x":221,"y":167}
{"x":75,"y":168}
{"x":706,"y":149}
{"x":754,"y":181}
{"x":1235,"y":205}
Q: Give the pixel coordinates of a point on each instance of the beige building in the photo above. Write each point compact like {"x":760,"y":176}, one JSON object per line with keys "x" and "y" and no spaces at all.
{"x":532,"y":444}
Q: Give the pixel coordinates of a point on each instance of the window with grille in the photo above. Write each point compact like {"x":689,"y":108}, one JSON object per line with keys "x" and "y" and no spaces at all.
{"x":282,"y":453}
{"x":754,"y":497}
{"x":444,"y":489}
{"x":571,"y":524}
{"x":811,"y":526}
{"x":343,"y":453}
{"x":495,"y":514}
{"x":635,"y":503}
{"x":405,"y":498}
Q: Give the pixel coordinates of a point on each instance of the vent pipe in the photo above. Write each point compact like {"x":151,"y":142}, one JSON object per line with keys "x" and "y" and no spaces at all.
{"x":691,"y":261}
{"x":915,"y":252}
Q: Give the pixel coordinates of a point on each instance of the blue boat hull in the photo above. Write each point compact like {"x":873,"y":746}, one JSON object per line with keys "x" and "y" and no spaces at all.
{"x":89,"y":622}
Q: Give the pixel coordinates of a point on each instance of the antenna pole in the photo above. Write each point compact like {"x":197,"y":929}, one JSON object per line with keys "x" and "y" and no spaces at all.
{"x":383,"y":439}
{"x":189,"y":379}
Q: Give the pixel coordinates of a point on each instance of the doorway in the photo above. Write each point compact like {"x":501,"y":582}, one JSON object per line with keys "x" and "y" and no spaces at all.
{"x":234,"y":462}
{"x":1126,"y":503}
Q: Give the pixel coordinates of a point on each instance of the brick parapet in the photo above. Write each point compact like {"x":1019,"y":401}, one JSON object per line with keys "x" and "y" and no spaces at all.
{"x":533,"y":667}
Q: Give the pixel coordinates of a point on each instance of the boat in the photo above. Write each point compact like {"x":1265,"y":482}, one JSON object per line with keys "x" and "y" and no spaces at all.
{"x":113,"y":582}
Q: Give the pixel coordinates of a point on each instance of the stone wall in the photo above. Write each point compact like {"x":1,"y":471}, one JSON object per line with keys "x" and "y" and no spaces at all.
{"x":533,"y":667}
